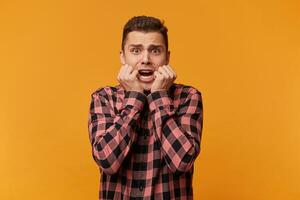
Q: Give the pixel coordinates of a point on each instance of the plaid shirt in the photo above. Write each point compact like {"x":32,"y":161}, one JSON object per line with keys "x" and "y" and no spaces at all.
{"x":145,"y":144}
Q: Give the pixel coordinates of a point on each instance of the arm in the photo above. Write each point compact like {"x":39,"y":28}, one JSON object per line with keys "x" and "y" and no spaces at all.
{"x":178,"y":132}
{"x":112,"y":135}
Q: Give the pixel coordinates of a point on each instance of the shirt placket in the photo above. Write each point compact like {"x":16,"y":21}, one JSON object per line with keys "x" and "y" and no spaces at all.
{"x":143,"y":140}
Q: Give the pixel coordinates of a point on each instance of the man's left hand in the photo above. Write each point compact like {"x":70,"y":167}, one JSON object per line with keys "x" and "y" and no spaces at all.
{"x":164,"y":78}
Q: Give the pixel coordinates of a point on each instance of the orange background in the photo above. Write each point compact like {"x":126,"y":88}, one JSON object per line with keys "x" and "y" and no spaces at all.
{"x":244,"y":56}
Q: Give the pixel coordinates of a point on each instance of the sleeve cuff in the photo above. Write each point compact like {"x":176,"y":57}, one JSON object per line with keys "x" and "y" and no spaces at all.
{"x":134,"y":99}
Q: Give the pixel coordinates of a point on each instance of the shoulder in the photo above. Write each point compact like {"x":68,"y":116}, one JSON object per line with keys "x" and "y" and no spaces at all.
{"x":183,"y":90}
{"x":185,"y":95}
{"x":107,"y":91}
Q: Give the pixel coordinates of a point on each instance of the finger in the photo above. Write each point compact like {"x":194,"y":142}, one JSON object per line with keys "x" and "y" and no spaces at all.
{"x":172,"y":70}
{"x":120,"y":72}
{"x":128,"y":70}
{"x":171,"y":75}
{"x":164,"y":72}
{"x":134,"y":74}
{"x":124,"y":73}
{"x":157,"y":74}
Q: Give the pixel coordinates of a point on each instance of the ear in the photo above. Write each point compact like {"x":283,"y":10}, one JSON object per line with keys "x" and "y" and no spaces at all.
{"x":122,"y":57}
{"x":168,"y":57}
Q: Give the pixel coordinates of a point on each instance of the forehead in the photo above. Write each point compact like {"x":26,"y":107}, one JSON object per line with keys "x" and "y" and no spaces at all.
{"x":144,"y":38}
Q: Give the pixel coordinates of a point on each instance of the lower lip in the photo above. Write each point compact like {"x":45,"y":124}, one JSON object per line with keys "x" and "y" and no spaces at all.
{"x":146,"y":79}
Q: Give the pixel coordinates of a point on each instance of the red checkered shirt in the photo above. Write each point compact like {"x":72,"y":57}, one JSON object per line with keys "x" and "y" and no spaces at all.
{"x":145,"y":144}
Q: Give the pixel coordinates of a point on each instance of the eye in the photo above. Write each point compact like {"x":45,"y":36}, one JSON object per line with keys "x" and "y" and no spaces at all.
{"x":156,"y":51}
{"x":135,"y":50}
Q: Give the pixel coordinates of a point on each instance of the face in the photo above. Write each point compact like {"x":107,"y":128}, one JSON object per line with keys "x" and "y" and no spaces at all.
{"x":145,"y":51}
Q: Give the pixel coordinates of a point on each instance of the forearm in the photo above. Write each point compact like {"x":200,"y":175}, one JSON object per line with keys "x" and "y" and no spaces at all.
{"x":178,"y":132}
{"x":113,"y":134}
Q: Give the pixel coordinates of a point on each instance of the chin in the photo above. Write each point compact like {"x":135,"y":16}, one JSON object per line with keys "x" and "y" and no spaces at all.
{"x":147,"y":86}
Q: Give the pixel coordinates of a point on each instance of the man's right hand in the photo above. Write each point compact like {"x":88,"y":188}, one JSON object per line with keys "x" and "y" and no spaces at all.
{"x":127,"y":77}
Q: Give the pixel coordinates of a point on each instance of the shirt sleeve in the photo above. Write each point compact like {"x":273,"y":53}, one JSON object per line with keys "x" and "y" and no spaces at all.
{"x":112,"y":134}
{"x":179,"y":132}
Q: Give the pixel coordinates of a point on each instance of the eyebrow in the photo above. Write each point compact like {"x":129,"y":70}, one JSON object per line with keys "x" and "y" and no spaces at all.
{"x":151,"y":46}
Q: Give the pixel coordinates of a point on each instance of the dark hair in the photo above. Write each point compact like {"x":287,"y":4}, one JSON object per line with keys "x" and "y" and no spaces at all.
{"x":145,"y":24}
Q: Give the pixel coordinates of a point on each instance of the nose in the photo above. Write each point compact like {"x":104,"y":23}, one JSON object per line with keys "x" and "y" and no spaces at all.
{"x":145,"y":59}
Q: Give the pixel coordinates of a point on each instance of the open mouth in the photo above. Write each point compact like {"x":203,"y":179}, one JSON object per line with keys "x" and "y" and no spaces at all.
{"x":146,"y":75}
{"x":146,"y":72}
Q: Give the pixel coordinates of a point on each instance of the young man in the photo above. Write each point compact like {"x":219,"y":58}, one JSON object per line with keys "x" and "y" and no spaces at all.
{"x":145,"y":132}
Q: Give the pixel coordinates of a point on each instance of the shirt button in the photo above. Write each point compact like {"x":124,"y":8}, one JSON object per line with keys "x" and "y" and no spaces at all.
{"x":141,"y":188}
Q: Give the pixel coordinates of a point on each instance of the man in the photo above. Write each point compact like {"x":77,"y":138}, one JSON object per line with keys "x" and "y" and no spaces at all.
{"x":145,"y":132}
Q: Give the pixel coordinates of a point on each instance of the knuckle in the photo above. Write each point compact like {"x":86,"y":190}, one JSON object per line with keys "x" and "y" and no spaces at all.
{"x":127,"y":78}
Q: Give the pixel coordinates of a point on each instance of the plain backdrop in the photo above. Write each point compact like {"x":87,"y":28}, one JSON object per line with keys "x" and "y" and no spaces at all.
{"x":244,"y":57}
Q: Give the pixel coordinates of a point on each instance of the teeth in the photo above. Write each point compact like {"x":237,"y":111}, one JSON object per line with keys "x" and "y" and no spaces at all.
{"x":145,"y":71}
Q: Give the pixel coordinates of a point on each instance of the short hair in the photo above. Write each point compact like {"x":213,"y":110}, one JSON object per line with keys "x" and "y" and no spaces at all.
{"x":145,"y":24}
